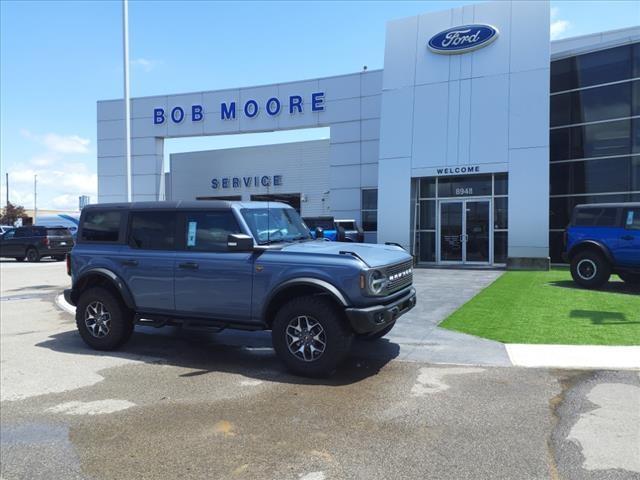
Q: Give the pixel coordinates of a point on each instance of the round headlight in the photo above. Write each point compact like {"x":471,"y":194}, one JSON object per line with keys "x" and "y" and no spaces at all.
{"x":377,"y":282}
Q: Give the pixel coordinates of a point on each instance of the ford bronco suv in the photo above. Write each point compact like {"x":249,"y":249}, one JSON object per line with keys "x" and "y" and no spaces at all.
{"x":603,"y":239}
{"x":220,"y":264}
{"x":335,"y":230}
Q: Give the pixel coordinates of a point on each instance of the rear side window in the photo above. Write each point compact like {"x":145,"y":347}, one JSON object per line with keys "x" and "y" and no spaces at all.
{"x":153,"y":230}
{"x":596,"y":217}
{"x":101,"y":226}
{"x":208,"y":231}
{"x":632,"y":219}
{"x":58,"y":232}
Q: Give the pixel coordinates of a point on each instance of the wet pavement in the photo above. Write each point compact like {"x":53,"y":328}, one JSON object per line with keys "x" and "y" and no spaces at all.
{"x":179,"y":404}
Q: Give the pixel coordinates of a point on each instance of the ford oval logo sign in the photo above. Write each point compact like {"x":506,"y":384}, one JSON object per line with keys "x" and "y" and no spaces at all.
{"x":462,"y":39}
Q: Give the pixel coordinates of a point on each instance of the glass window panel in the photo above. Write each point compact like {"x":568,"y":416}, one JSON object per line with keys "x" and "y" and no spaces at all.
{"x":560,"y":144}
{"x":426,"y":246}
{"x":370,"y":199}
{"x":593,"y":68}
{"x":370,"y":221}
{"x":635,"y":135}
{"x":152,"y":230}
{"x":635,"y":97}
{"x":594,"y":176}
{"x":636,"y":60}
{"x":469,"y":186}
{"x":501,"y":184}
{"x":500,"y":247}
{"x":427,"y":219}
{"x":560,"y":109}
{"x":427,"y":188}
{"x":500,"y":215}
{"x":600,"y":139}
{"x":601,"y":103}
{"x":556,"y":246}
{"x":101,"y":226}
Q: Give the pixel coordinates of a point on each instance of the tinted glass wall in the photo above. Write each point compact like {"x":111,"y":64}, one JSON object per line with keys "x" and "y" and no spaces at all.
{"x":595,"y":133}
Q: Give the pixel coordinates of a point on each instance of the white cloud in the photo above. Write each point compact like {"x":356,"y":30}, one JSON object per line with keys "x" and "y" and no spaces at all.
{"x":145,"y":64}
{"x":60,"y":181}
{"x":558,"y":26}
{"x":59,"y":143}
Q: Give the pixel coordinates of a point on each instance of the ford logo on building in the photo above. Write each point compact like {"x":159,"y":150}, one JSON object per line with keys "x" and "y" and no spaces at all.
{"x":462,"y":39}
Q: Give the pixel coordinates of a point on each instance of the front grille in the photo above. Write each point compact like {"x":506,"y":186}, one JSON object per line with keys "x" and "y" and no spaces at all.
{"x":399,"y":275}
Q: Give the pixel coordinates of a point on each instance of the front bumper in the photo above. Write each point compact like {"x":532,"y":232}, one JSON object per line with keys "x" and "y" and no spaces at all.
{"x":372,"y":319}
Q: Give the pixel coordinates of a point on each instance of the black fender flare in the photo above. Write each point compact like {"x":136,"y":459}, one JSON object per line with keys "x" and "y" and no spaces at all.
{"x":594,"y":244}
{"x":114,"y":279}
{"x":329,"y":288}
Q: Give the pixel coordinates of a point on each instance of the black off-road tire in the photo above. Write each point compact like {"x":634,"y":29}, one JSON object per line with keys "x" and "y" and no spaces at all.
{"x":630,"y":278}
{"x":590,"y":269}
{"x":379,"y":334}
{"x":58,"y":258}
{"x":121,"y":319}
{"x":19,"y":259}
{"x":32,"y":255}
{"x":337,"y":335}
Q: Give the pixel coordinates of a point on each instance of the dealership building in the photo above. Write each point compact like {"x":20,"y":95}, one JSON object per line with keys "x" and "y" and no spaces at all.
{"x":471,"y":145}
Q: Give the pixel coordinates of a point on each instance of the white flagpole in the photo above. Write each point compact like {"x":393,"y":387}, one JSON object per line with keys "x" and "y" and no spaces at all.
{"x":127,"y":102}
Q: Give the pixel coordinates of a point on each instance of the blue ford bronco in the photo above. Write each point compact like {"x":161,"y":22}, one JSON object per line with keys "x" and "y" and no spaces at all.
{"x":603,"y":239}
{"x":218,"y":264}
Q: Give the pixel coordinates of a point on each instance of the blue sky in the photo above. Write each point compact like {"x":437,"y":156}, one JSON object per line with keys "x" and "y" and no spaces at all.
{"x":59,"y":58}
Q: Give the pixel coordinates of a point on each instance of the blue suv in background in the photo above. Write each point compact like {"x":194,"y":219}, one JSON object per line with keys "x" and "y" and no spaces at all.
{"x":218,"y":264}
{"x":603,"y":239}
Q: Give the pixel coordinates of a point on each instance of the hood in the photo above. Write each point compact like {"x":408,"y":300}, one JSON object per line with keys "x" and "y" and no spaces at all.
{"x":376,"y":255}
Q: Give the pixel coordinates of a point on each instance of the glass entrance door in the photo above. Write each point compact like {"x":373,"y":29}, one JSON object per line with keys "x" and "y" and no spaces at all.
{"x":465,"y":231}
{"x":477,"y":235}
{"x":451,"y":231}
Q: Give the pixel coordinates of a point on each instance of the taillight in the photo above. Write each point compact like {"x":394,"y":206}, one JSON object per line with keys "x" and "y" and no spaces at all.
{"x":68,"y":259}
{"x":45,"y":241}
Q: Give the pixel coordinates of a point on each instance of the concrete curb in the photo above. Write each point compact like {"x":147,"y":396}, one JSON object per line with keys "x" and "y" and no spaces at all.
{"x":538,"y":356}
{"x":64,"y":305}
{"x":574,"y":356}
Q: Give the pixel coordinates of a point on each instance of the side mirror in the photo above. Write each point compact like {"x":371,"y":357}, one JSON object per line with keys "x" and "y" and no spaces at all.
{"x":239,"y":242}
{"x":319,"y":232}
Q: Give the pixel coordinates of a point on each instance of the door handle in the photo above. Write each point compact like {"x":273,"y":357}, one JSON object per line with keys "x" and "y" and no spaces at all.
{"x":189,"y":265}
{"x":626,"y":237}
{"x":129,"y":263}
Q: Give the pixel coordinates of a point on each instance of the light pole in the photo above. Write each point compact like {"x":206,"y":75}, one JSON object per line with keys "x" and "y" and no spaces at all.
{"x":35,"y":197}
{"x":127,"y":106}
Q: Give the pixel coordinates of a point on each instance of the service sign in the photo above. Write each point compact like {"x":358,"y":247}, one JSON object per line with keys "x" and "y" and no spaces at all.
{"x":462,"y":39}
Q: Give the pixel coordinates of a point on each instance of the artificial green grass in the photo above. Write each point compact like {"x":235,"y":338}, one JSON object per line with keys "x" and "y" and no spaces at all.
{"x":547,"y":307}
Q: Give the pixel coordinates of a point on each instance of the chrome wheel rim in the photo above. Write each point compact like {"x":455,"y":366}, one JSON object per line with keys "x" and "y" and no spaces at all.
{"x":587,"y":269}
{"x":306,"y":339}
{"x":97,"y":319}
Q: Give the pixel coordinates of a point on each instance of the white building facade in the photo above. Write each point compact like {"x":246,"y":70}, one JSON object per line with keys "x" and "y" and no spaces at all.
{"x":445,"y":151}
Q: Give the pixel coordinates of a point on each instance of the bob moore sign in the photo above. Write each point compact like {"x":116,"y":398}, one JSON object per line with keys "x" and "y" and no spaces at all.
{"x":294,"y":104}
{"x":462,"y":39}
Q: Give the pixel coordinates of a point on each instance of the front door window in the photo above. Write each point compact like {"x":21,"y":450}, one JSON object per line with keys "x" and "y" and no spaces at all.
{"x":451,"y":232}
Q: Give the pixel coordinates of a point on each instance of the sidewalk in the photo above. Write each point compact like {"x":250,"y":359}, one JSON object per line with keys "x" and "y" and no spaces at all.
{"x":574,"y":356}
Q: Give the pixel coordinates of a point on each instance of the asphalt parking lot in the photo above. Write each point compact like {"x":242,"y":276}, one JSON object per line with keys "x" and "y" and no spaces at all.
{"x":179,"y":404}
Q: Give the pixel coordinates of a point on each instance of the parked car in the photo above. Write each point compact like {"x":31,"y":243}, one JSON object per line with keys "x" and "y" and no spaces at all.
{"x":603,"y":239}
{"x":34,"y":242}
{"x":5,"y":228}
{"x":345,"y":230}
{"x":220,"y":264}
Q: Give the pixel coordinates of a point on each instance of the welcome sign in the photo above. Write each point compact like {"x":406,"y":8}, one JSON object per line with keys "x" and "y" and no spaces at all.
{"x":462,"y":39}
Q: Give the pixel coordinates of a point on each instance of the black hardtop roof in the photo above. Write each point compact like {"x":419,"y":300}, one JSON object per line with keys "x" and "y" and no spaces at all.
{"x":182,"y":205}
{"x":609,"y":205}
{"x":169,"y":205}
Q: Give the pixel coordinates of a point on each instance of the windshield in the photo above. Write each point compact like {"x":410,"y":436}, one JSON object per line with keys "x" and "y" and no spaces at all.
{"x":347,"y":224}
{"x":324,"y":223}
{"x":275,"y":225}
